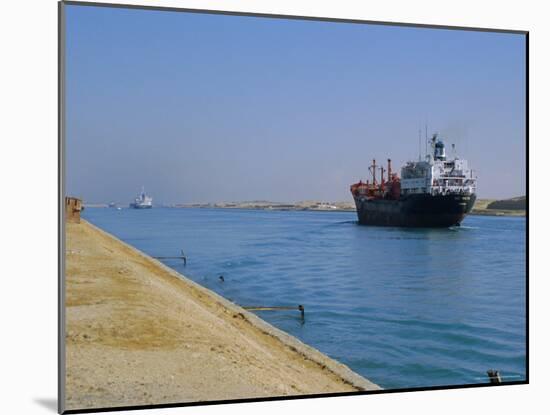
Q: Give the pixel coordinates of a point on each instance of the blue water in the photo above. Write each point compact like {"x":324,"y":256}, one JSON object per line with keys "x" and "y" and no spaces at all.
{"x":403,"y":307}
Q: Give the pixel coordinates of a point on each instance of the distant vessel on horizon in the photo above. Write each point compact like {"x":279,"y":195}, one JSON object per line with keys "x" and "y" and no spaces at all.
{"x":142,"y":201}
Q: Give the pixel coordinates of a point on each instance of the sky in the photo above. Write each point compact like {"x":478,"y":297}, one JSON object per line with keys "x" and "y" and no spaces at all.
{"x":204,"y":108}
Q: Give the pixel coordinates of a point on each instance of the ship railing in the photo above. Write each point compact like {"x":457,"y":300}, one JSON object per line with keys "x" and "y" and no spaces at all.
{"x":453,"y":176}
{"x":457,"y":190}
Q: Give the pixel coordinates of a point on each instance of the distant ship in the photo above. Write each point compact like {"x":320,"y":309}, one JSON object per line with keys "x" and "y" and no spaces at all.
{"x":142,"y":201}
{"x":436,"y":192}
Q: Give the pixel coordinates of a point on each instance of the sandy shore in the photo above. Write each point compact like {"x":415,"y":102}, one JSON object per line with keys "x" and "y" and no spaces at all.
{"x":138,"y":333}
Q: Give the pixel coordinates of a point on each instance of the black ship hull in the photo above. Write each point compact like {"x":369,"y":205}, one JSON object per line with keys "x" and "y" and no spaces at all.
{"x":136,"y":206}
{"x":415,"y":210}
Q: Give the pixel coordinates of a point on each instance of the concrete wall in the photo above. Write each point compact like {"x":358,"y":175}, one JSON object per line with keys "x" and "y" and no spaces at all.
{"x":73,"y":206}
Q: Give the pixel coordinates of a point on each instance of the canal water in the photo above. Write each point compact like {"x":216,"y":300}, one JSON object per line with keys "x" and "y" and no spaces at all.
{"x":402,"y":307}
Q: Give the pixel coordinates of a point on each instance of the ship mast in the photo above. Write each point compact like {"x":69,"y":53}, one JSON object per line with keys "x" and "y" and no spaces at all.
{"x":419,"y":144}
{"x":426,"y":138}
{"x":372,"y":169}
{"x":382,"y":170}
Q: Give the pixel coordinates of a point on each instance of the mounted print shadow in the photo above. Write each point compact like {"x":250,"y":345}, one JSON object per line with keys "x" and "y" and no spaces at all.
{"x":262,"y":207}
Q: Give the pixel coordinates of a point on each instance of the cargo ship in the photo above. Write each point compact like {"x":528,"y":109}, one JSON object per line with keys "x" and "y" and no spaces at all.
{"x":435,"y":192}
{"x":142,"y":201}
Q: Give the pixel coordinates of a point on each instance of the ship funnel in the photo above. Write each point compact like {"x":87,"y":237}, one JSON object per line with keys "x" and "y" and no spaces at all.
{"x":439,"y":150}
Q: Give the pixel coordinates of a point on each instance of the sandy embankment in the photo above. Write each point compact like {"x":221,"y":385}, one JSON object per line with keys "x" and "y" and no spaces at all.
{"x":138,"y":333}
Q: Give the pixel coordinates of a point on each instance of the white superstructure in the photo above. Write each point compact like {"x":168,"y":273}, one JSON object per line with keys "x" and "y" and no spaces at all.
{"x":142,"y":201}
{"x":437,"y":175}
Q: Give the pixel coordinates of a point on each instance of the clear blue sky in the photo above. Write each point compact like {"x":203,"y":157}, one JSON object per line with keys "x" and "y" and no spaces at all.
{"x":202,"y":108}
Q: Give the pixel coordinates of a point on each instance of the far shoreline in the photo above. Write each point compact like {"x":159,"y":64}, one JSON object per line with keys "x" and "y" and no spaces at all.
{"x":508,"y":214}
{"x":474,"y":212}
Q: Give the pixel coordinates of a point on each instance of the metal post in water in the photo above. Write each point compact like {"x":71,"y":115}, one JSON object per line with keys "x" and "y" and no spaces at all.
{"x":275,"y":308}
{"x":183,"y":257}
{"x":494,"y":377}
